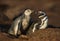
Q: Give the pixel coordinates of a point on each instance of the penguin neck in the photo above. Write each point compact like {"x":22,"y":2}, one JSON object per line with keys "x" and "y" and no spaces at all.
{"x":27,"y":16}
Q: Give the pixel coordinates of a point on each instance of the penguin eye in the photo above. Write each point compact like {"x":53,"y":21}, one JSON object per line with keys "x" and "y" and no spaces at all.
{"x":41,"y":14}
{"x":28,"y":10}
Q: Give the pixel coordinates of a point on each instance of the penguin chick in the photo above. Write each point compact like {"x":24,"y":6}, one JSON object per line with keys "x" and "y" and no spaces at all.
{"x":20,"y":22}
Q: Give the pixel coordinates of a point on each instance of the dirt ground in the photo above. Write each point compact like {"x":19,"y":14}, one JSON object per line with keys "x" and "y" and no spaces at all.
{"x":49,"y":34}
{"x":12,"y":8}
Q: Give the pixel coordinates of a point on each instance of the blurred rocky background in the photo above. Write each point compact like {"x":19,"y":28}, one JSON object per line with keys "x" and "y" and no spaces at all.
{"x":9,"y":9}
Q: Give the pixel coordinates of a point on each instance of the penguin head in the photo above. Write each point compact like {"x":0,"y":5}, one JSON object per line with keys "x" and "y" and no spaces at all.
{"x":41,"y":14}
{"x":28,"y":12}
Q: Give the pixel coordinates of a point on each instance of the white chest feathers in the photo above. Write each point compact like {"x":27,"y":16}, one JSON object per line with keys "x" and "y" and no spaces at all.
{"x":25,"y":22}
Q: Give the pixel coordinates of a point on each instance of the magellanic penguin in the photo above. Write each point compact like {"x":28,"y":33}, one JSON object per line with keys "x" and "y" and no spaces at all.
{"x":44,"y":21}
{"x":21,"y":22}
